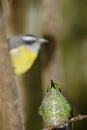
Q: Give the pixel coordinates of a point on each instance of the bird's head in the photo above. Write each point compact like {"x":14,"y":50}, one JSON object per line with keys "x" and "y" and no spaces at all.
{"x":32,"y":42}
{"x":24,"y":50}
{"x":54,"y":85}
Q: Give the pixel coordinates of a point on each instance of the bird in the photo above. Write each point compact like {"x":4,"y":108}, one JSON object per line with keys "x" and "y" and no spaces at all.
{"x":24,"y":50}
{"x":55,"y":109}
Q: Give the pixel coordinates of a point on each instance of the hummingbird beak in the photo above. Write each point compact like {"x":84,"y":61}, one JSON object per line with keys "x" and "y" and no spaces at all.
{"x":42,"y":40}
{"x":52,"y":83}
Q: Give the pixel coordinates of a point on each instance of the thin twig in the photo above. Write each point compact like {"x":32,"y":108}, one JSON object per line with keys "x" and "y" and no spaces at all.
{"x":77,"y":118}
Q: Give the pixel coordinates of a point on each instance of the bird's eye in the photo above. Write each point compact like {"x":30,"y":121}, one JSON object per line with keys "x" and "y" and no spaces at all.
{"x":28,"y":39}
{"x":29,"y":42}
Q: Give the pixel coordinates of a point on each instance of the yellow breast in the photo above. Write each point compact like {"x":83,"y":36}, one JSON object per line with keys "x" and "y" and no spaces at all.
{"x":22,"y":59}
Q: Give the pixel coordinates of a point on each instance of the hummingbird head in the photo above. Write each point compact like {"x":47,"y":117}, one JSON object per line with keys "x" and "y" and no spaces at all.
{"x":53,"y":85}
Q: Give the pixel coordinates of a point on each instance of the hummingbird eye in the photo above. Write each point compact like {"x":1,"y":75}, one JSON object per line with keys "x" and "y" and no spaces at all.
{"x":59,"y":89}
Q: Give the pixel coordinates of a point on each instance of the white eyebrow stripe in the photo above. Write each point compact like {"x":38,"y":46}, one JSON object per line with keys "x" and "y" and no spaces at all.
{"x":28,"y":38}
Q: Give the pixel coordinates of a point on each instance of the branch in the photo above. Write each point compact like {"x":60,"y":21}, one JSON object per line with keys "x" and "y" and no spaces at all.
{"x":74,"y":119}
{"x":11,"y":118}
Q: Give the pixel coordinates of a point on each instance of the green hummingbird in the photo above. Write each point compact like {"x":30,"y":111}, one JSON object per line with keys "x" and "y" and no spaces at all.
{"x":54,"y":108}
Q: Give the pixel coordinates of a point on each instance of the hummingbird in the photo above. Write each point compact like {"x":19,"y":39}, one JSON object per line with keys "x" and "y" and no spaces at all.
{"x":55,"y":108}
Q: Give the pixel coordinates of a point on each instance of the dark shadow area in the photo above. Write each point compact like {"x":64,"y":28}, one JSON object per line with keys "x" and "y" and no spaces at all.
{"x":48,"y":49}
{"x":33,"y":90}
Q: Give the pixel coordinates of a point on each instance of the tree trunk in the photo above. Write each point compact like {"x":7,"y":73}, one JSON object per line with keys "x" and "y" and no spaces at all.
{"x":10,"y":113}
{"x":25,"y":18}
{"x":51,"y":53}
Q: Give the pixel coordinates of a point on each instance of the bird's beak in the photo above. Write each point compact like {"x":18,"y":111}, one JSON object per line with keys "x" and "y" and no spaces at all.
{"x":42,"y":40}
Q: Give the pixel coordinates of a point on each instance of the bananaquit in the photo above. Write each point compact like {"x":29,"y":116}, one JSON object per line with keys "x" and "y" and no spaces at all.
{"x":24,"y":50}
